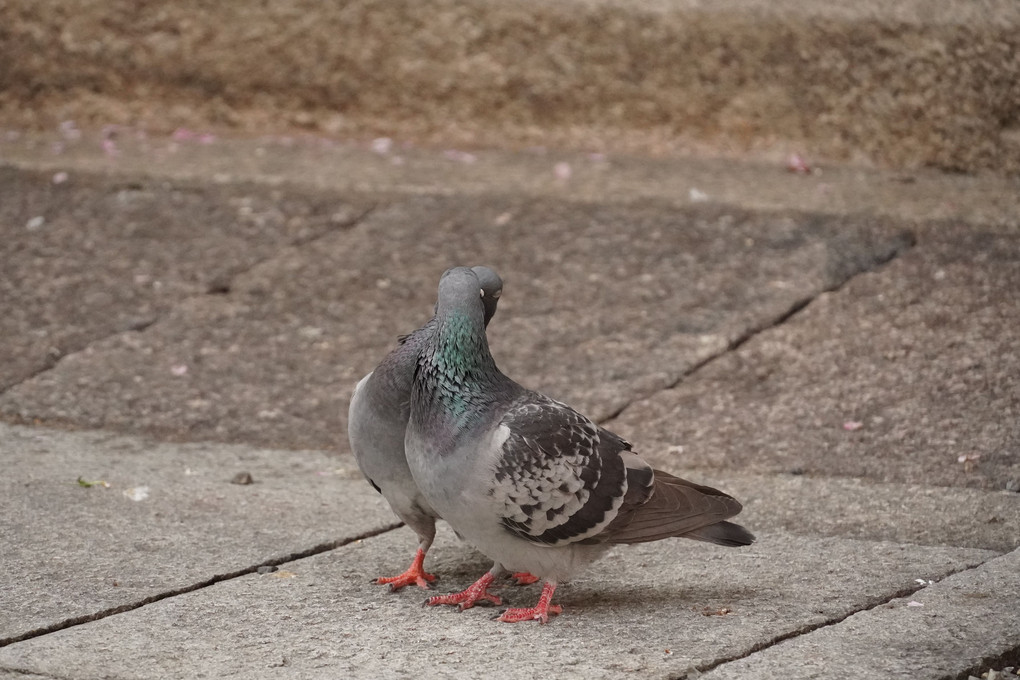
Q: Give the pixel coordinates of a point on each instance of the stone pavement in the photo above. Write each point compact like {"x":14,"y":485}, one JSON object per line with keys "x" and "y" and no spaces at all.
{"x":839,"y":351}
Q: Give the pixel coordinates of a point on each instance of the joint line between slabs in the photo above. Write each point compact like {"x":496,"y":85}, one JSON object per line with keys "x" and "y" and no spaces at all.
{"x":276,"y":561}
{"x":758,"y":329}
{"x":761,"y":646}
{"x":213,"y":289}
{"x":25,"y":673}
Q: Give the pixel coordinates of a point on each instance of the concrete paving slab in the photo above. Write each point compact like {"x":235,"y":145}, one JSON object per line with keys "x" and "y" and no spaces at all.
{"x":273,"y":361}
{"x":859,"y":509}
{"x":170,"y":519}
{"x":657,"y":609}
{"x":86,"y":256}
{"x":910,"y":373}
{"x":945,"y":630}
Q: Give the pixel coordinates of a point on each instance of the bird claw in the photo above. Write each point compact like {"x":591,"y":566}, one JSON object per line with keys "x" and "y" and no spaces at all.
{"x":524,"y":578}
{"x":518,"y":614}
{"x":395,"y":583}
{"x":465,"y":599}
{"x":476,"y":593}
{"x":395,"y":586}
{"x":540,"y":612}
{"x":415,"y":575}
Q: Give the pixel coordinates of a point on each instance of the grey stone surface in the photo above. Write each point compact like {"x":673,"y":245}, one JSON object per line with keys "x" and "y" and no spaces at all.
{"x":358,"y":167}
{"x":270,"y":361}
{"x":92,"y":256}
{"x":657,"y":609}
{"x":922,"y":357}
{"x":863,"y":509}
{"x":14,"y":675}
{"x":71,"y":551}
{"x":273,"y":361}
{"x":944,"y":630}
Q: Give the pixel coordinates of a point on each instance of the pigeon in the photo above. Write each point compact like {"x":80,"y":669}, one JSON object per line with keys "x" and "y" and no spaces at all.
{"x":376,"y":422}
{"x":527,"y":480}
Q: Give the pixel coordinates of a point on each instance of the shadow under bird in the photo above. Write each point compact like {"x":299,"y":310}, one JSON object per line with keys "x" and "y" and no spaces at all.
{"x":531,"y":483}
{"x":377,"y":420}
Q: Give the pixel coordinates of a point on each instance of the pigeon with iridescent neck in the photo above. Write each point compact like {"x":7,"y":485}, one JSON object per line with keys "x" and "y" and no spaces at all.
{"x":376,"y":422}
{"x":530,"y":482}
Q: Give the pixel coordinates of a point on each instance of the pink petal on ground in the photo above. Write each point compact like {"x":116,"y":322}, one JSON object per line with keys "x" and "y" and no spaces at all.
{"x":382,"y":145}
{"x":562,"y":170}
{"x":795,"y":163}
{"x":852,"y":425}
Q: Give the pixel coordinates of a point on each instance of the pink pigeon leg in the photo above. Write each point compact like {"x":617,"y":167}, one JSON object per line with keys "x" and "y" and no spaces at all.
{"x":523,"y":578}
{"x":473,"y":594}
{"x":540,"y":612}
{"x":415,"y":575}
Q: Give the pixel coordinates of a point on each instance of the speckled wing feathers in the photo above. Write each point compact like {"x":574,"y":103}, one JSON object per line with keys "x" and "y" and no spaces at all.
{"x":561,"y":478}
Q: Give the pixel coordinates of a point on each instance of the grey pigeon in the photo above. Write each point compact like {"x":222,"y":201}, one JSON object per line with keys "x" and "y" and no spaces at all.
{"x":376,"y":422}
{"x":530,"y":482}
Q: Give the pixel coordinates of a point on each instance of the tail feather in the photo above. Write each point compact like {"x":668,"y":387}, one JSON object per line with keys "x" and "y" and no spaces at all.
{"x":678,"y":507}
{"x":722,"y":533}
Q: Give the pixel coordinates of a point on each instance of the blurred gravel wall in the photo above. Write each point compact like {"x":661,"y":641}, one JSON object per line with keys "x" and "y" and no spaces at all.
{"x":909,"y":84}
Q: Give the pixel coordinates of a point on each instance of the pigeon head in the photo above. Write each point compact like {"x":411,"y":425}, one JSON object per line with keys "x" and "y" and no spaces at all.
{"x":492,"y":288}
{"x":460,"y":295}
{"x":458,"y":345}
{"x":455,"y":368}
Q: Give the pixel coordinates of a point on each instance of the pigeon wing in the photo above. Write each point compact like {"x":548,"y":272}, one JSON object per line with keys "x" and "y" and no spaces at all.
{"x":561,"y":478}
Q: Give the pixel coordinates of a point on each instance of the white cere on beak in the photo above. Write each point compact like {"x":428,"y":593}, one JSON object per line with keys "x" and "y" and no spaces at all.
{"x":482,"y":291}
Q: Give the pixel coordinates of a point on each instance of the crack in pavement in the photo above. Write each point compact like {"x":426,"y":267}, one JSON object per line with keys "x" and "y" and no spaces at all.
{"x":902,"y":592}
{"x":1009,"y":658}
{"x":55,"y":356}
{"x":220,"y":285}
{"x":25,"y":673}
{"x":219,"y":578}
{"x":881,"y":260}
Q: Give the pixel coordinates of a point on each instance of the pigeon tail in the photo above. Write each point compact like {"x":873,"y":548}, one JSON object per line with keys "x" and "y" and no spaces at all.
{"x":723,"y":533}
{"x":678,"y":507}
